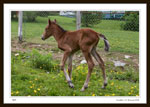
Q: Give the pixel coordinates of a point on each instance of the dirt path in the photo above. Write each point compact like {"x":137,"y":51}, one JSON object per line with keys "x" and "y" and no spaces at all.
{"x":78,"y":57}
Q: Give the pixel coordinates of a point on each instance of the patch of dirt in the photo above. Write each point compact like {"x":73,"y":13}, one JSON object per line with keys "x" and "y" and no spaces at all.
{"x":26,"y":46}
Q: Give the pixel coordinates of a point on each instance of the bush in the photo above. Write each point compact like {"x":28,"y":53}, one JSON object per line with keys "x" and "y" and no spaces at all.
{"x":90,"y":19}
{"x":45,"y":62}
{"x":47,"y":13}
{"x":30,"y":16}
{"x":14,"y":15}
{"x":131,"y":21}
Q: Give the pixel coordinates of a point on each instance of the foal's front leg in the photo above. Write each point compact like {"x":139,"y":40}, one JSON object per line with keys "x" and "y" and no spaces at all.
{"x":70,"y":65}
{"x":66,"y":54}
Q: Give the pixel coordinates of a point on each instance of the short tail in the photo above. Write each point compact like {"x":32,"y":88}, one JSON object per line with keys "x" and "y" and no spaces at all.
{"x":105,"y":41}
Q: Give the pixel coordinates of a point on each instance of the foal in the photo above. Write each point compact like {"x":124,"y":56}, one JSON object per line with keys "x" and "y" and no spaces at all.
{"x":72,"y":41}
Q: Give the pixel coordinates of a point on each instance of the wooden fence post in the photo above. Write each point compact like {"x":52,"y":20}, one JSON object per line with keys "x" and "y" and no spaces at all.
{"x":20,"y":19}
{"x":78,"y":20}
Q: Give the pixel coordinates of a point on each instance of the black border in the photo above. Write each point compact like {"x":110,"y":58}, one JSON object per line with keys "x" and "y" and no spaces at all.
{"x":2,"y":2}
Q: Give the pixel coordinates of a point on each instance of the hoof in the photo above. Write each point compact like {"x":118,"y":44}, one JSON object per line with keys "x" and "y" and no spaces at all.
{"x":70,"y":84}
{"x":104,"y":86}
{"x":82,"y":89}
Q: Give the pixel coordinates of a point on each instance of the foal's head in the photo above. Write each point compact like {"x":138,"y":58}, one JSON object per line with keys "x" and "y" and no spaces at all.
{"x":48,"y":29}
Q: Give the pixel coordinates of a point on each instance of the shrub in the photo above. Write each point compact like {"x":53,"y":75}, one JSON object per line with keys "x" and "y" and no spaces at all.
{"x":47,"y":13}
{"x":45,"y":62}
{"x":89,"y":19}
{"x":14,"y":15}
{"x":29,"y":16}
{"x":131,"y":21}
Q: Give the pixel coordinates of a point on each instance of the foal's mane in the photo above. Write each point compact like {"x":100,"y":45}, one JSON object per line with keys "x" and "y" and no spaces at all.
{"x":61,"y":28}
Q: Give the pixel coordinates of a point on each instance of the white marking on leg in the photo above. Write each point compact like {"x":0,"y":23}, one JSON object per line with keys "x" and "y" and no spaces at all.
{"x":67,"y":77}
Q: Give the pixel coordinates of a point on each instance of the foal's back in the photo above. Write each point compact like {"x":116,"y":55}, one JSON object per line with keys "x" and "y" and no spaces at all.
{"x":81,"y":38}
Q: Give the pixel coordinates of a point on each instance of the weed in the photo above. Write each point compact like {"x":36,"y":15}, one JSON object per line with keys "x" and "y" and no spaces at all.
{"x":42,"y":61}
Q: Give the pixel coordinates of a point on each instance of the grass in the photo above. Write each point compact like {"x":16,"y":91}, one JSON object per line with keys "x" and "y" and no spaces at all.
{"x":38,"y":74}
{"x":30,"y":80}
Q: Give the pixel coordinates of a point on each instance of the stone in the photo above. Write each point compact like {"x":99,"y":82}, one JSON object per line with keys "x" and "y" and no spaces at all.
{"x":119,"y":63}
{"x":83,"y":62}
{"x":127,"y":56}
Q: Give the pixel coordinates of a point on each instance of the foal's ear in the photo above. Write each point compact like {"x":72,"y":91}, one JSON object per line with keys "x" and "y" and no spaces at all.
{"x":55,"y":21}
{"x":49,"y":21}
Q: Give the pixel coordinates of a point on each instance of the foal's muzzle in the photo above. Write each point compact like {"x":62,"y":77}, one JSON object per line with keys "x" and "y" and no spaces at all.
{"x":42,"y":38}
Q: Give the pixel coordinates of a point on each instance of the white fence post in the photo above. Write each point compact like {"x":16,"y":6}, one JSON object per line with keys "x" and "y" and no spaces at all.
{"x":20,"y":19}
{"x":78,"y":20}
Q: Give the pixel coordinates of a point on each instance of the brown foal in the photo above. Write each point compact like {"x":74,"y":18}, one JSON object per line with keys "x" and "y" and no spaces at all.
{"x":72,"y":41}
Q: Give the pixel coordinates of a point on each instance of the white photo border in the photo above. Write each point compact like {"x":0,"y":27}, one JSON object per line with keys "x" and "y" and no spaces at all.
{"x":142,"y":98}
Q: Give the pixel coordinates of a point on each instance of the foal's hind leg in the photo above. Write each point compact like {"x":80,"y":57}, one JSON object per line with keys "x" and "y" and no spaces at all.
{"x":90,"y":68}
{"x":101,"y":63}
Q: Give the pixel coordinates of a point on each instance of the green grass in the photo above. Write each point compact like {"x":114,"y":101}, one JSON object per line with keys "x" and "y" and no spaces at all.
{"x":30,"y":80}
{"x":30,"y":72}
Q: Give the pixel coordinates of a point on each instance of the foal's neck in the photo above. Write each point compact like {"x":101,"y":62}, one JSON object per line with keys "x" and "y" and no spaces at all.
{"x":58,"y":32}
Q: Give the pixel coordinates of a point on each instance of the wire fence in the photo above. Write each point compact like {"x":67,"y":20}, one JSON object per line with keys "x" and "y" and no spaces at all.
{"x":34,"y":22}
